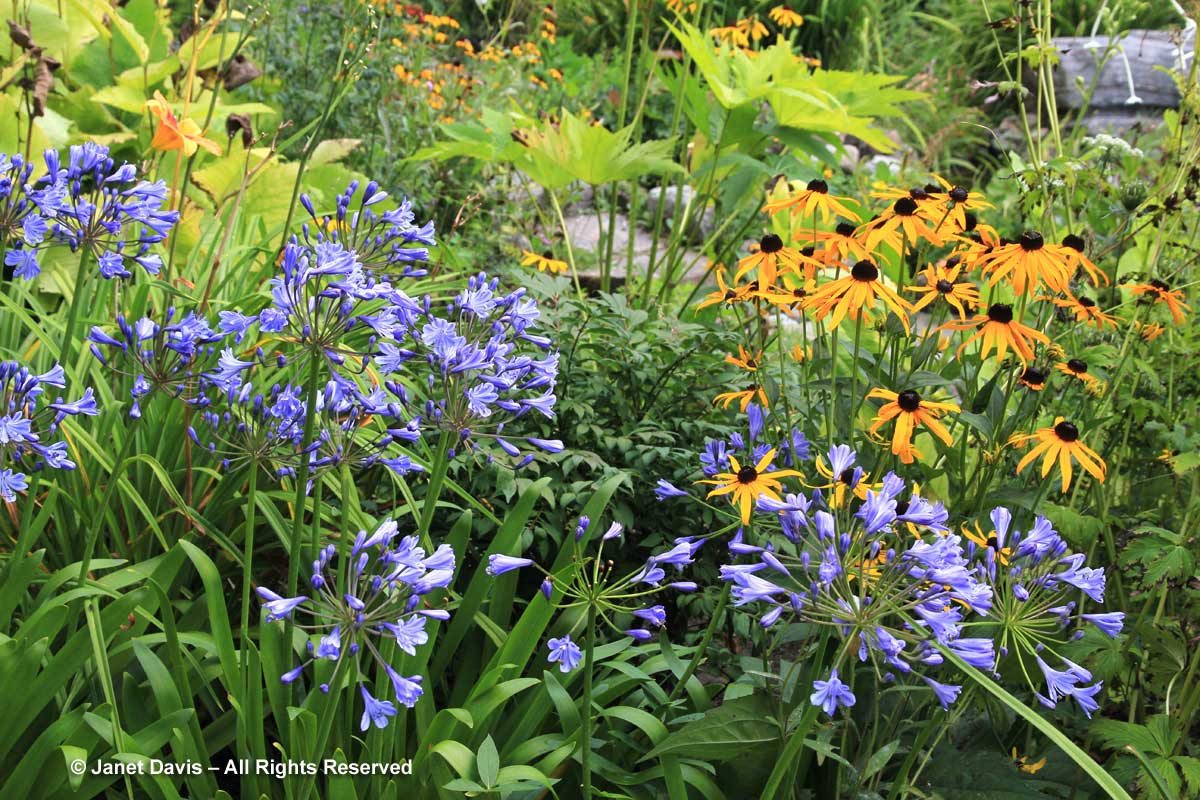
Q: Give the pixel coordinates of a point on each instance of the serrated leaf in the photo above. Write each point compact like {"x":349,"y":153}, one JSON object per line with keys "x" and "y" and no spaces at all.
{"x":880,"y":758}
{"x":722,"y":732}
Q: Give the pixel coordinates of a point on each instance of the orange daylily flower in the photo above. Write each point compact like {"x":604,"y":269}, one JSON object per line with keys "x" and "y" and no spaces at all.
{"x":176,"y":134}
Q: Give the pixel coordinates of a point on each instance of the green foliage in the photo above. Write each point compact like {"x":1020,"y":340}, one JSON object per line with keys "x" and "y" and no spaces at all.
{"x":141,"y":653}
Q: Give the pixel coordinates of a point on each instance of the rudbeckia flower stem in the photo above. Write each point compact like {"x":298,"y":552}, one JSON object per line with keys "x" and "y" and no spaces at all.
{"x":77,"y":292}
{"x":831,"y":411}
{"x":562,"y":223}
{"x":854,"y":399}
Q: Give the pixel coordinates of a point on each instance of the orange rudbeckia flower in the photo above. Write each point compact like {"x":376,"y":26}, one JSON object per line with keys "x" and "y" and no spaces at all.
{"x":1160,"y":292}
{"x":856,"y":295}
{"x":909,"y":410}
{"x":1000,"y":331}
{"x":1060,"y":443}
{"x":747,"y":483}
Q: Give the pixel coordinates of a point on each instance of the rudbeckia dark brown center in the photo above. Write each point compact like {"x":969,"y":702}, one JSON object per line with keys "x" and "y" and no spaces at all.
{"x":1157,"y":284}
{"x":845,"y":229}
{"x":1074,"y":242}
{"x":771,"y":243}
{"x":959,"y":195}
{"x":993,"y":542}
{"x":1032,"y":240}
{"x":918,"y":194}
{"x":970,"y":221}
{"x":847,"y":476}
{"x":901,"y":508}
{"x":1076,"y":365}
{"x":1087,"y":302}
{"x":908,"y":400}
{"x":944,"y":286}
{"x":905,"y":207}
{"x":864,"y":271}
{"x":547,"y":255}
{"x":818,"y":186}
{"x":1000,"y":312}
{"x":799,"y":293}
{"x":1034,"y":376}
{"x":1066,"y":431}
{"x":808,"y":251}
{"x":747,"y":474}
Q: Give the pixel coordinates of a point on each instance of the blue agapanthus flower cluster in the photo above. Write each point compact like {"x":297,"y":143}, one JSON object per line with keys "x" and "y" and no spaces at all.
{"x":591,"y":582}
{"x":387,"y":242}
{"x":334,"y":292}
{"x":1039,"y":586}
{"x":362,"y":428}
{"x":888,"y":577}
{"x":170,"y":356}
{"x":750,"y":448}
{"x":374,"y":594}
{"x":89,"y":202}
{"x":29,"y":421}
{"x":481,"y":364}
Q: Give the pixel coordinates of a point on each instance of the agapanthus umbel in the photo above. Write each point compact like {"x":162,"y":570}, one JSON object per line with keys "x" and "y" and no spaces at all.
{"x":1038,"y":589}
{"x":888,"y":596}
{"x":481,"y":364}
{"x":384,"y":242}
{"x":355,"y":426}
{"x":325,"y":300}
{"x":379,"y":597}
{"x":616,"y":599}
{"x":89,"y":203}
{"x":23,"y":227}
{"x":29,"y":421}
{"x":169,"y":356}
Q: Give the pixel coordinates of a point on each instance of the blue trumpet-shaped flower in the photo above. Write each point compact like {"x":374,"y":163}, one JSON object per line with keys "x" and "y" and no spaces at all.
{"x":565,"y":653}
{"x":29,"y":421}
{"x":385,"y":580}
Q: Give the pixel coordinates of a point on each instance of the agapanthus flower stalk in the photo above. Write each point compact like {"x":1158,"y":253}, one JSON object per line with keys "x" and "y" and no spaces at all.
{"x":376,"y":591}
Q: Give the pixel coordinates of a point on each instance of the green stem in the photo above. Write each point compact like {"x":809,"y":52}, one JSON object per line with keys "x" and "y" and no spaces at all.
{"x":585,"y":731}
{"x":81,"y":280}
{"x":247,"y":560}
{"x":327,"y":717}
{"x":562,"y":223}
{"x":437,"y":476}
{"x":98,"y":517}
{"x":831,"y":411}
{"x":702,"y":648}
{"x":1106,"y":782}
{"x":854,"y":401}
{"x":310,"y":414}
